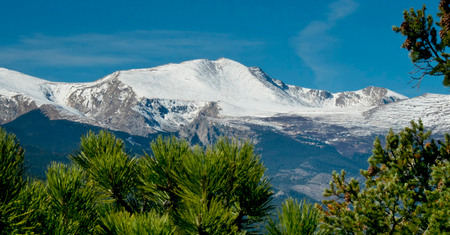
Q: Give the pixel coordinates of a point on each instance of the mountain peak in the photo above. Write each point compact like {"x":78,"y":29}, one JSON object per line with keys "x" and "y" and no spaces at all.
{"x":224,"y":60}
{"x":221,"y":80}
{"x":370,"y":90}
{"x":218,"y":64}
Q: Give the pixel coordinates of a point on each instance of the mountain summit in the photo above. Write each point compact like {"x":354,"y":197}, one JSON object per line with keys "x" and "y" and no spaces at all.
{"x":232,"y":83}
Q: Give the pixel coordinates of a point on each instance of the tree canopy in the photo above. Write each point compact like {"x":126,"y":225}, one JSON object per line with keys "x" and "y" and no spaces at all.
{"x":427,"y":41}
{"x":179,"y":189}
{"x":405,"y":188}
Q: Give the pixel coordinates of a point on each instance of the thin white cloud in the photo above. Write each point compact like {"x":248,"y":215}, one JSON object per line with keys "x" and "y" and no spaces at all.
{"x":121,"y":48}
{"x":314,"y":44}
{"x":340,"y":9}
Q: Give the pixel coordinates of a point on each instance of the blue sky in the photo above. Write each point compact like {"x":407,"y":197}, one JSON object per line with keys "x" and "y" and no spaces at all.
{"x":331,"y":45}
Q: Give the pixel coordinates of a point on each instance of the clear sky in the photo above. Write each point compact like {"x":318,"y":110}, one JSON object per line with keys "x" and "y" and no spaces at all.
{"x":335,"y":45}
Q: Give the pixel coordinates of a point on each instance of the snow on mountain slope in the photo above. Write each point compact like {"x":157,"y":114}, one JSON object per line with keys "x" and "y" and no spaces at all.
{"x":223,"y":80}
{"x":164,"y":98}
{"x":14,"y":83}
{"x":433,"y":109}
{"x":21,"y":93}
{"x":106,"y":102}
{"x":367,"y":97}
{"x":241,"y":90}
{"x":24,"y":90}
{"x":204,"y":80}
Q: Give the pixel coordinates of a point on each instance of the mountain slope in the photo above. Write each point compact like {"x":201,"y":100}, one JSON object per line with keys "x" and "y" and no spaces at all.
{"x":433,"y":109}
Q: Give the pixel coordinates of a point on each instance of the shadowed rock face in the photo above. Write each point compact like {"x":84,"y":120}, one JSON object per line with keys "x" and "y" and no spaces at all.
{"x":371,"y":96}
{"x":378,"y":95}
{"x":103,"y":100}
{"x":114,"y":105}
{"x":321,"y":95}
{"x":110,"y":104}
{"x":204,"y":129}
{"x":342,"y":99}
{"x":168,"y":115}
{"x":15,"y":106}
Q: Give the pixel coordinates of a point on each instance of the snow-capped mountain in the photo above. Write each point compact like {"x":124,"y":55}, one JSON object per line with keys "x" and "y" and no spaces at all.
{"x":301,"y":132}
{"x":143,"y":101}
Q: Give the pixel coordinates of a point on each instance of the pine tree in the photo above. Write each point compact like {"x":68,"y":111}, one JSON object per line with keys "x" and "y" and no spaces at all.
{"x":225,"y":183}
{"x":403,"y":183}
{"x":102,"y":156}
{"x":32,"y":204}
{"x":248,"y":189}
{"x":295,"y":218}
{"x":219,"y":190}
{"x":157,"y":181}
{"x":122,"y":222}
{"x":439,"y":199}
{"x":202,"y":185}
{"x":72,"y":207}
{"x":12,"y":171}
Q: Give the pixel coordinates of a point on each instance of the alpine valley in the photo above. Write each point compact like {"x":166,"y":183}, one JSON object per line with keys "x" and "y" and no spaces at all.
{"x":302,"y":134}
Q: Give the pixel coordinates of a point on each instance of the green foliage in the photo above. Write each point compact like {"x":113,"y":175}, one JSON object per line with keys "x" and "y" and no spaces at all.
{"x":110,"y":168}
{"x":31,"y":204}
{"x":218,"y":190}
{"x":227,"y":177}
{"x":427,"y":48}
{"x":178,"y":190}
{"x":143,"y":223}
{"x":12,"y":167}
{"x":71,"y":200}
{"x":295,"y":218}
{"x":96,"y":146}
{"x":248,"y":190}
{"x":203,"y":207}
{"x":11,"y":179}
{"x":206,"y":216}
{"x":157,"y":173}
{"x":400,"y":188}
{"x":439,"y":198}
